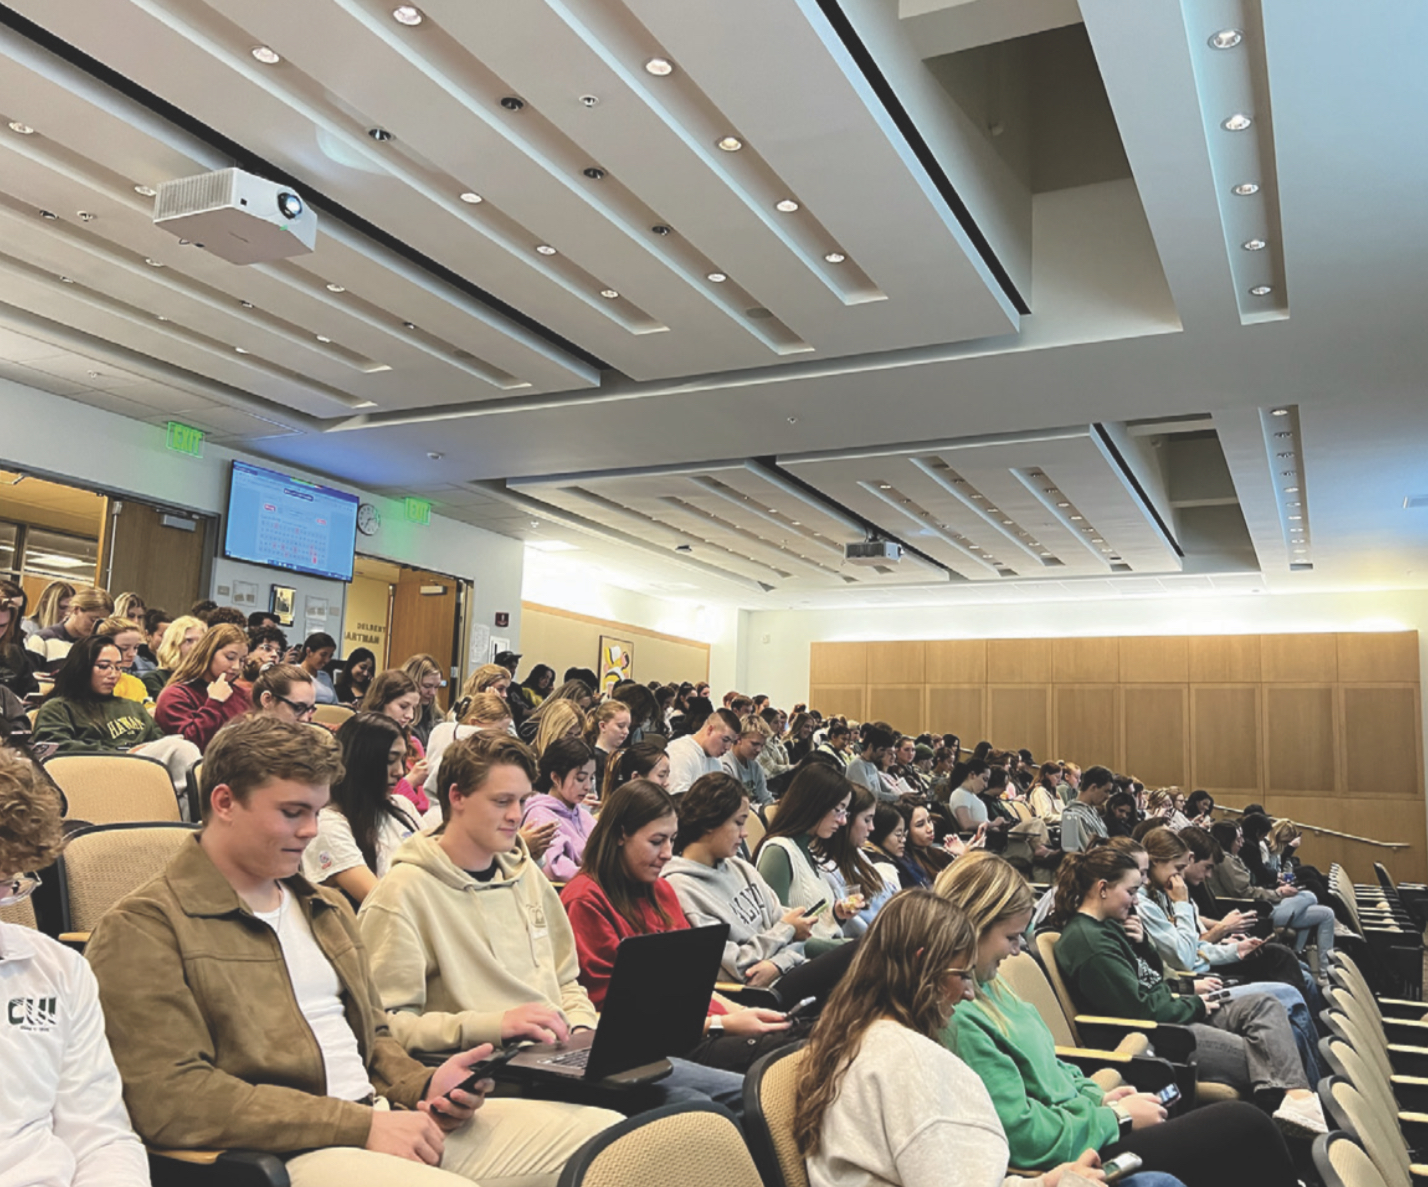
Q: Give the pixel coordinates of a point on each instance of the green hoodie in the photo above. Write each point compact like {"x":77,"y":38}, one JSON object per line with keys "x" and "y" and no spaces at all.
{"x":1106,"y":975}
{"x":95,"y":727}
{"x":1050,"y":1111}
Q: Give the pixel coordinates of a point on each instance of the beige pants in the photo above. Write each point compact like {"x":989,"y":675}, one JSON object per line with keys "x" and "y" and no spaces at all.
{"x":509,"y":1143}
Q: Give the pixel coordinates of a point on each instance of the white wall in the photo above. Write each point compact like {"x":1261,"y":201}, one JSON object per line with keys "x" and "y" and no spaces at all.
{"x":89,"y":447}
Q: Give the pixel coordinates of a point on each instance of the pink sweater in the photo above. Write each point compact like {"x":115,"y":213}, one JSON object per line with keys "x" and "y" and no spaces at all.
{"x":188,"y":710}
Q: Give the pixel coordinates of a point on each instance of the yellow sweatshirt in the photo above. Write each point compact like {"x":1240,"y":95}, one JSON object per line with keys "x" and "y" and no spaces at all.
{"x":450,"y":955}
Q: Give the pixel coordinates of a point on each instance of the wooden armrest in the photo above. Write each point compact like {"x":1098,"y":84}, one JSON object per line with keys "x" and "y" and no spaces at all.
{"x":1102,"y":1020}
{"x":729,"y":987}
{"x":199,"y":1157}
{"x":1411,"y":1081}
{"x":1092,"y":1053}
{"x":1418,"y":1170}
{"x":1401,"y":1049}
{"x":74,"y":937}
{"x":1414,"y":1118}
{"x":1401,"y":1001}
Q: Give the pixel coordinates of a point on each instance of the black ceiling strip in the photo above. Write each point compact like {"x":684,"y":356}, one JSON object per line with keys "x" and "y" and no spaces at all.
{"x":884,"y":90}
{"x":1139,"y":490}
{"x":251,"y":162}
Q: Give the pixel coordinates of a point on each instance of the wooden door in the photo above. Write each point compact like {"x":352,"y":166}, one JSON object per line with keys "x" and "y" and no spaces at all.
{"x":424,"y":622}
{"x":139,"y":554}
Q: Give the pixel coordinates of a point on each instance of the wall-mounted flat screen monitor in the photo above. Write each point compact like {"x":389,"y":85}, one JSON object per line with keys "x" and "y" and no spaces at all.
{"x":289,"y":523}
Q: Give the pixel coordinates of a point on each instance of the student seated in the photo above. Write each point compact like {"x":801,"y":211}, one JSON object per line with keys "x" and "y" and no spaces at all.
{"x":240,"y":1004}
{"x":267,"y":645}
{"x":287,"y":692}
{"x":426,"y":675}
{"x":62,"y":1116}
{"x":313,"y":657}
{"x":887,"y":845}
{"x":203,"y":695}
{"x":743,"y":760}
{"x":355,"y":678}
{"x":468,"y":941}
{"x":127,"y":637}
{"x":766,"y":939}
{"x":365,"y":821}
{"x":619,"y":893}
{"x":179,"y":638}
{"x":790,"y":857}
{"x":923,"y":855}
{"x":566,"y":770}
{"x":606,"y":729}
{"x":48,"y":647}
{"x":866,"y":769}
{"x":1081,"y":819}
{"x":486,"y":712}
{"x":879,"y":1101}
{"x":853,"y":872}
{"x":395,"y":694}
{"x":82,"y":715}
{"x":639,"y":760}
{"x":699,"y":753}
{"x":1049,"y":1110}
{"x":1110,"y":969}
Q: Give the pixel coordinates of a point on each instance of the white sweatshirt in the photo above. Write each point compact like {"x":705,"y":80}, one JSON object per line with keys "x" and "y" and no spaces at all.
{"x":62,"y":1116}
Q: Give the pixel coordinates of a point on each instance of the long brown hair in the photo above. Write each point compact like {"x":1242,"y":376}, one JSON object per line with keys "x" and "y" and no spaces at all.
{"x":897,"y":974}
{"x":815,"y":791}
{"x":629,"y":808}
{"x":195,"y":665}
{"x":852,"y":864}
{"x":1079,"y":872}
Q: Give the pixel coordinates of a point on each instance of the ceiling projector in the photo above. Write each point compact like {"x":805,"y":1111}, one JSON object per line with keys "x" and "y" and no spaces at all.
{"x":237,"y":216}
{"x":873,"y":552}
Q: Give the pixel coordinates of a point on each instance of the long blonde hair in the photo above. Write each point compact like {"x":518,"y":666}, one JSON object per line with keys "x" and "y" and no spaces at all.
{"x":989,"y":890}
{"x":47,"y":608}
{"x":168,"y":653}
{"x":195,"y":665}
{"x":897,"y":974}
{"x":557,"y":719}
{"x":1282,"y":835}
{"x":486,"y":708}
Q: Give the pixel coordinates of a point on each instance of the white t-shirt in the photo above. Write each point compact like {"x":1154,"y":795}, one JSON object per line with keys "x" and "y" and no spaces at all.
{"x":688,"y":762}
{"x":319,"y":997}
{"x":334,"y":849}
{"x":62,"y":1116}
{"x":909,"y":1113}
{"x":962,"y":798}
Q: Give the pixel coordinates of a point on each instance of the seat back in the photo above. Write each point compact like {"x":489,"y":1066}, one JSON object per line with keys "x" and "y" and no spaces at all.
{"x":100,"y":865}
{"x":770,"y":1088}
{"x":654,"y":1150}
{"x":1369,"y":1079}
{"x":1367,"y":1015}
{"x":110,"y":788}
{"x":1046,"y":946}
{"x":1341,"y":1162}
{"x":1380,"y":1137}
{"x":755,"y":828}
{"x":1025,"y":979}
{"x":22,"y":914}
{"x":331,"y":715}
{"x":1363,"y":1042}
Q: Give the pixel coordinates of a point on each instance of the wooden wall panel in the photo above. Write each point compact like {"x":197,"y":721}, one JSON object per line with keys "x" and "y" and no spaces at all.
{"x":956,"y":661}
{"x":1020,"y":712}
{"x":1224,"y":659}
{"x":1156,"y":732}
{"x":1377,"y":819}
{"x":1087,"y":725}
{"x":837,"y":663}
{"x":1225,"y":750}
{"x":841,"y":700}
{"x":1390,"y":658}
{"x":1086,"y":661}
{"x":1018,"y":661}
{"x":1163,"y":660}
{"x":1299,"y":659}
{"x":900,"y":706}
{"x":958,"y":710}
{"x":1299,"y":739}
{"x":896,"y":663}
{"x":1376,"y":723}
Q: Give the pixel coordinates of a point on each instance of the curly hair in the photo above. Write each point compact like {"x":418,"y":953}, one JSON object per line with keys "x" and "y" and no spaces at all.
{"x":31,"y":836}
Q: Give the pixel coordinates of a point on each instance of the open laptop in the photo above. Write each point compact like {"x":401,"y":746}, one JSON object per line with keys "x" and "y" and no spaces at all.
{"x":654,"y":1007}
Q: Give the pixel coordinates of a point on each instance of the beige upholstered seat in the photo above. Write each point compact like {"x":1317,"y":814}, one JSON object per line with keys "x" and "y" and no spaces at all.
{"x":1341,"y":1162}
{"x":22,"y":914}
{"x":101,"y":865}
{"x":1380,"y":1137}
{"x":769,"y":1116}
{"x":331,"y":715}
{"x":109,"y":788}
{"x":676,"y":1146}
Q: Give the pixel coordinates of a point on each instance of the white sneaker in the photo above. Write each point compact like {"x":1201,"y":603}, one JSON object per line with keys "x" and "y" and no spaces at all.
{"x":1303,"y":1118}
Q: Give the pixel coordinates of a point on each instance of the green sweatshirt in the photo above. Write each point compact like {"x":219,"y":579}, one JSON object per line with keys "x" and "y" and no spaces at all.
{"x":95,"y":727}
{"x":1050,"y":1111}
{"x":1106,"y":975}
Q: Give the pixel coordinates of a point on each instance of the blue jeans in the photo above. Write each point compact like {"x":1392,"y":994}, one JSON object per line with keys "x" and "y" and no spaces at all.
{"x":695,"y":1082}
{"x":1152,"y":1179}
{"x":1302,"y":912}
{"x":1301,"y":1022}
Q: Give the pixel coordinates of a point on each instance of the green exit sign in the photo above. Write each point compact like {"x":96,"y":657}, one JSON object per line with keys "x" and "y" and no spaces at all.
{"x":185,"y":439}
{"x":418,"y":511}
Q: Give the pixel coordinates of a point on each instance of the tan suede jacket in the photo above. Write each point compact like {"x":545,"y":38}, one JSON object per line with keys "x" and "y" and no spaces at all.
{"x":206,"y":1030}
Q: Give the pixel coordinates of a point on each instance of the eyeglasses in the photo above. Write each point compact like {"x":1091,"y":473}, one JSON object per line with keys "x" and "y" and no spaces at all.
{"x":840,"y":813}
{"x":298,"y":707}
{"x":17,"y":890}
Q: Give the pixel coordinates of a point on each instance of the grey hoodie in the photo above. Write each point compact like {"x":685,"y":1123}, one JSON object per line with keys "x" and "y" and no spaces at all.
{"x":733,"y":892}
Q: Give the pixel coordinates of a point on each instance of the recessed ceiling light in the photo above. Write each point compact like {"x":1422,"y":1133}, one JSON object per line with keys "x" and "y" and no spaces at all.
{"x":1063,"y":504}
{"x":161,"y":317}
{"x":409,"y":325}
{"x":240,"y":350}
{"x":145,"y":191}
{"x":323,"y":338}
{"x":1293,"y":517}
{"x":1261,"y":290}
{"x":717,"y":277}
{"x":659,"y":67}
{"x":1281,"y":412}
{"x":22,"y":129}
{"x":545,"y":249}
{"x":885,"y":486}
{"x":1078,"y":518}
{"x":835,"y":257}
{"x":1301,"y":550}
{"x":1097,"y":540}
{"x":266,"y":55}
{"x":1245,"y":189}
{"x":381,"y":135}
{"x":336,"y":288}
{"x":1254,"y":245}
{"x":1285,"y":455}
{"x":1284,"y":434}
{"x":246,"y":304}
{"x":407,"y":14}
{"x":787,"y":205}
{"x":66,"y":280}
{"x":1237,"y":122}
{"x":1226,"y":39}
{"x":1291,"y":490}
{"x":49,"y":214}
{"x":729,"y":143}
{"x":153,"y":263}
{"x":609,"y":294}
{"x":471,"y":198}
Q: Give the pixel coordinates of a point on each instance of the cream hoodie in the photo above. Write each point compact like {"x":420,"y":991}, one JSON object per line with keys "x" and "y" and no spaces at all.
{"x":450,"y":955}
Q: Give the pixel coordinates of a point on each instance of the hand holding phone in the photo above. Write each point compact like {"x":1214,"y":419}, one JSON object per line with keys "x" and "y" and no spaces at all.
{"x":816,"y":910}
{"x":486,"y":1068}
{"x":1168,"y":1095}
{"x":791,"y":1015}
{"x":1122,"y":1164}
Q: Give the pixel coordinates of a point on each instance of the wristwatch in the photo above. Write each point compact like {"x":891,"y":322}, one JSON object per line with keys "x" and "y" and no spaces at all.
{"x":716,"y":1025}
{"x":1123,"y":1118}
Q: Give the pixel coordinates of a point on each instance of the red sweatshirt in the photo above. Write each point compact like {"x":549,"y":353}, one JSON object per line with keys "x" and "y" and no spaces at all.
{"x":188,"y":710}
{"x":599,"y":928}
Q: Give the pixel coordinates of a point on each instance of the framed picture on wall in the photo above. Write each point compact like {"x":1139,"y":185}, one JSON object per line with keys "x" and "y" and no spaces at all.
{"x":283,"y":603}
{"x":616,"y":662}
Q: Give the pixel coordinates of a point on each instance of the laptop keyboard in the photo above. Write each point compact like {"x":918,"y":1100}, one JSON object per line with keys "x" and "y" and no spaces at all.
{"x":574,"y":1059}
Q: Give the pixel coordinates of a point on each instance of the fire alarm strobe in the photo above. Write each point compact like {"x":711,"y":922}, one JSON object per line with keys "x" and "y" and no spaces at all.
{"x":239,"y":217}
